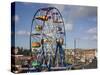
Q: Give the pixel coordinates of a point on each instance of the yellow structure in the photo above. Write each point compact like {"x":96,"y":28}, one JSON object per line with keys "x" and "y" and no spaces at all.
{"x":43,"y":18}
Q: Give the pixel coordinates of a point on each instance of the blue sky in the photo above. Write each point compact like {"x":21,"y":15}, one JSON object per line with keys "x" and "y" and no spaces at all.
{"x":80,"y":24}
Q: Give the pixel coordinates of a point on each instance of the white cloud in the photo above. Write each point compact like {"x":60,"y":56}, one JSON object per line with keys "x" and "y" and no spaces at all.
{"x":27,"y":3}
{"x":82,"y":12}
{"x":92,"y":30}
{"x":22,"y":32}
{"x":92,"y":34}
{"x":92,"y":37}
{"x":60,"y":7}
{"x":68,"y":26}
{"x":16,"y":18}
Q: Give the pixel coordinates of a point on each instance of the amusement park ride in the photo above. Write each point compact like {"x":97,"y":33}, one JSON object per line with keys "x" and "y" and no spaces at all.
{"x":48,"y":39}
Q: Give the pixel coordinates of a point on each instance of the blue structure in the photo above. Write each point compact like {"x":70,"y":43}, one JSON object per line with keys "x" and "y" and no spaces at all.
{"x":61,"y":52}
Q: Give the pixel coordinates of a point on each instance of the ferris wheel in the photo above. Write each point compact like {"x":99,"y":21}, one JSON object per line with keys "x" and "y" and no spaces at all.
{"x":48,"y":37}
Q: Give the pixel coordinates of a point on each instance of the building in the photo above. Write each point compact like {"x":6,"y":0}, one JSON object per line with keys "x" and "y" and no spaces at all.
{"x":80,"y":55}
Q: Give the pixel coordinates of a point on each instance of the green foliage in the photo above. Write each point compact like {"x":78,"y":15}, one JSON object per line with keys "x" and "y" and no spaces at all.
{"x":25,"y":52}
